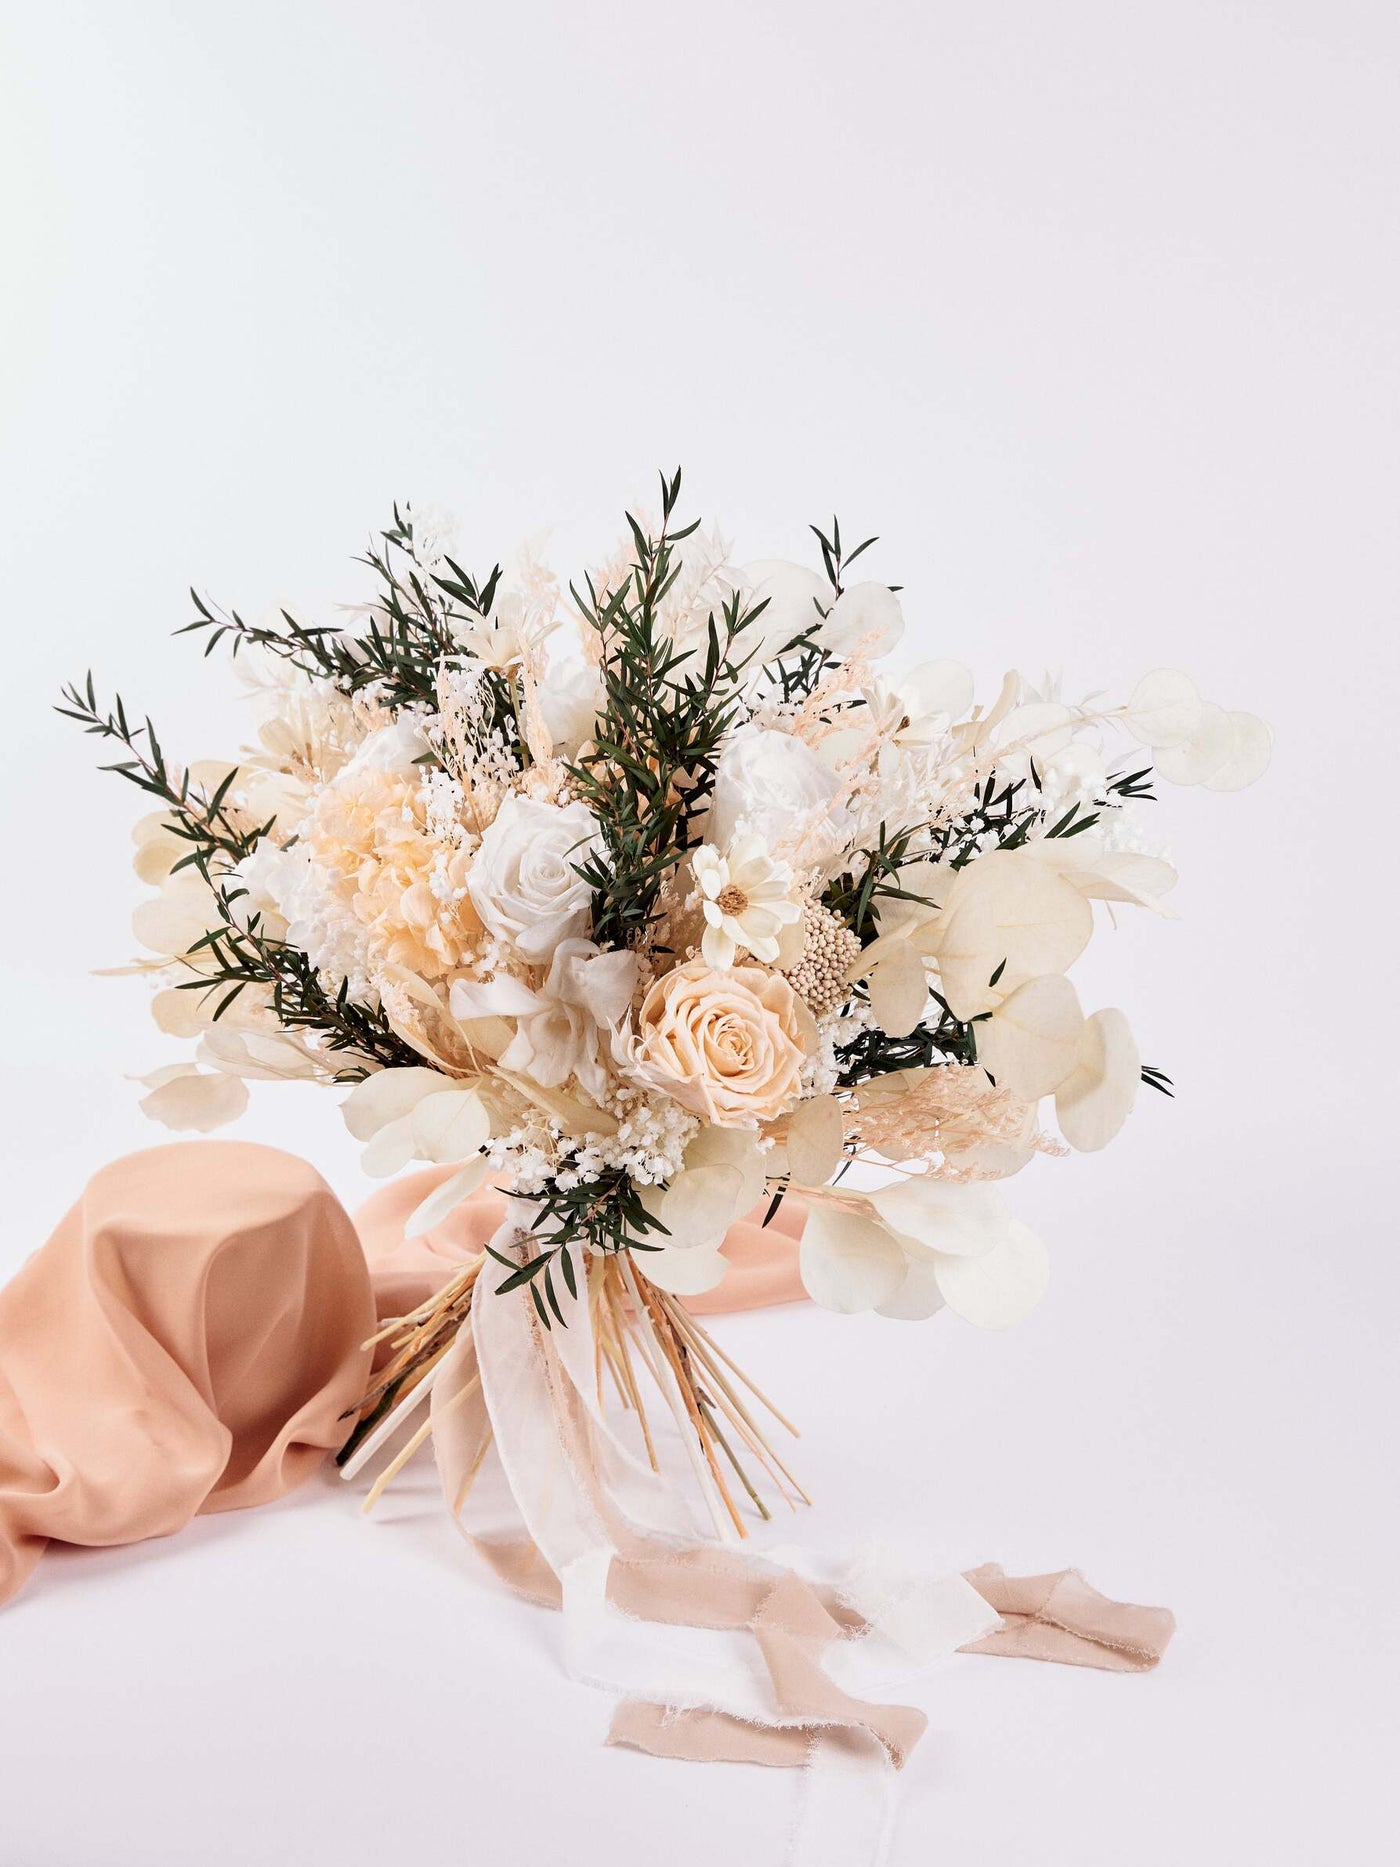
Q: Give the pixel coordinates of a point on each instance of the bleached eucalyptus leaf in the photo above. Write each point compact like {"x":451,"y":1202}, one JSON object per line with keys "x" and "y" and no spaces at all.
{"x":450,"y":1125}
{"x":792,"y":593}
{"x":700,"y":1205}
{"x":1030,"y":1044}
{"x":864,"y":610}
{"x":1127,"y":875}
{"x":1165,"y":708}
{"x":815,"y":1140}
{"x":899,"y":990}
{"x":1012,"y":910}
{"x":192,"y":1102}
{"x":1198,"y":758}
{"x":1251,"y":748}
{"x":918,"y":1297}
{"x":390,"y":1149}
{"x":940,"y":687}
{"x":848,"y":1263}
{"x":387,"y":1095}
{"x":942,"y":1215}
{"x":445,"y":1198}
{"x":736,"y":1148}
{"x":1095,"y":1100}
{"x":683,"y":1272}
{"x":180,"y":914}
{"x":999,"y":1287}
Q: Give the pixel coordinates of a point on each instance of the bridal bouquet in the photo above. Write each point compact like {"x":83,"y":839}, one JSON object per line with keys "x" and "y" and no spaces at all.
{"x":683,"y":921}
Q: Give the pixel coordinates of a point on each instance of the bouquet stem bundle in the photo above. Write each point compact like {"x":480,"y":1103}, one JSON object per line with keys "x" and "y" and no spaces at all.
{"x":643,"y":1338}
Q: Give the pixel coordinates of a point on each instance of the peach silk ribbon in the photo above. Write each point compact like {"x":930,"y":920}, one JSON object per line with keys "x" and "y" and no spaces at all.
{"x":192,"y":1334}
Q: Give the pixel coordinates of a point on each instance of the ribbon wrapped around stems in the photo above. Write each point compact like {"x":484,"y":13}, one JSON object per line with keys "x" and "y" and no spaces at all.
{"x":193,"y":1334}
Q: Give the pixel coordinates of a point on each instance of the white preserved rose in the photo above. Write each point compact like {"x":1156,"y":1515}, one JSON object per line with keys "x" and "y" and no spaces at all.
{"x":775,"y":785}
{"x":524,"y":880}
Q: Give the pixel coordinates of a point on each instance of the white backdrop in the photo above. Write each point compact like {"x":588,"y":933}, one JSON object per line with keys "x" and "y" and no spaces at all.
{"x":1091,"y":311}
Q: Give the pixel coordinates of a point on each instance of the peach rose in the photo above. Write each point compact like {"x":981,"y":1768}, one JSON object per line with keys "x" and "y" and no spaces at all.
{"x":728,"y":1045}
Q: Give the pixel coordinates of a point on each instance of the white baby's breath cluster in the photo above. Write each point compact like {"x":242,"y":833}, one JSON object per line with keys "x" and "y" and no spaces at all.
{"x":464,"y":870}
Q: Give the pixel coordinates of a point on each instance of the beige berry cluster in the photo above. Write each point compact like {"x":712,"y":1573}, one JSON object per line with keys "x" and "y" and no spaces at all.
{"x":819,"y":977}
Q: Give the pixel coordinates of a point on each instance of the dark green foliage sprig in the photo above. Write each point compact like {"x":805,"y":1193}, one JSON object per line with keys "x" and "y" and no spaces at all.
{"x":237,"y":953}
{"x":603,"y":1215}
{"x":410,"y":633}
{"x":1003,"y":816}
{"x":665,"y":713}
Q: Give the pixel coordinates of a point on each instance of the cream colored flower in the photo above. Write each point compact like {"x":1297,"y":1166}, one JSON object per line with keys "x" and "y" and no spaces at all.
{"x":747,"y":899}
{"x":524,"y":878}
{"x":729,"y":1045}
{"x":566,"y":1028}
{"x":407,"y":889}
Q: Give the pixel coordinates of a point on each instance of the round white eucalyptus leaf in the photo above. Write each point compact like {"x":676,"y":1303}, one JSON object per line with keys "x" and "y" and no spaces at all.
{"x":918,"y":1297}
{"x":1165,"y":708}
{"x":848,"y":1263}
{"x":1030,"y":1044}
{"x":1092,"y":1104}
{"x":385,"y":1096}
{"x":1000,"y":1287}
{"x":193,"y":1103}
{"x":685,"y":1273}
{"x":1197,"y":759}
{"x":451,"y":1125}
{"x":815,"y":1141}
{"x":942,"y":1215}
{"x":865,"y":610}
{"x":1251,"y":748}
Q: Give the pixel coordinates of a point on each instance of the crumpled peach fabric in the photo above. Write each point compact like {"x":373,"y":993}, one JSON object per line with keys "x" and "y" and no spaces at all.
{"x":186,"y":1341}
{"x":190,"y":1337}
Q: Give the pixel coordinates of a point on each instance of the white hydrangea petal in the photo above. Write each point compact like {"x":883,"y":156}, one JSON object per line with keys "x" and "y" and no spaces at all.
{"x":385,"y":1096}
{"x":1092,"y":1103}
{"x":190,"y":1101}
{"x":1197,"y":759}
{"x":865,"y":609}
{"x":1251,"y":748}
{"x":1030,"y":1044}
{"x":942,"y":1215}
{"x":1000,"y":1287}
{"x":1165,"y":708}
{"x":445,"y":1198}
{"x":815,"y":1140}
{"x":848,"y":1263}
{"x":899,"y":990}
{"x":451,"y":1125}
